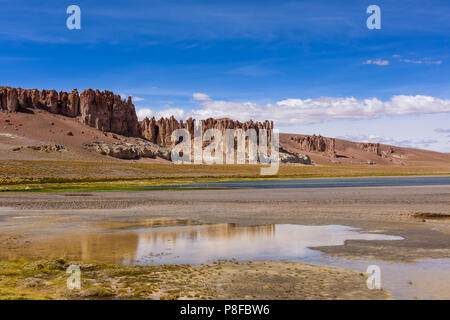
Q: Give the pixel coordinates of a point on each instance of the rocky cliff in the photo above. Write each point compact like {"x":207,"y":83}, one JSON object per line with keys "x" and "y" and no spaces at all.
{"x":140,"y":149}
{"x":102,"y":110}
{"x":316,"y":143}
{"x":107,"y":112}
{"x":370,"y":147}
{"x":160,"y":131}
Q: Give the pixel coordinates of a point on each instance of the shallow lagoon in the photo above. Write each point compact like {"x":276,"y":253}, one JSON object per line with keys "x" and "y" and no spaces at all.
{"x":184,"y":242}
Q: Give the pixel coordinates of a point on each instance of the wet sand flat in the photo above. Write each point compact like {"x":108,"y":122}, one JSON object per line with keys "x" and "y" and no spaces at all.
{"x":400,"y":211}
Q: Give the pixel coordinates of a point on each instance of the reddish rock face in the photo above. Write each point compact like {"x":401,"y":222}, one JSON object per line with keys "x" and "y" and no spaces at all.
{"x":9,"y":99}
{"x":96,"y":109}
{"x":12,"y":104}
{"x":52,"y":101}
{"x":107,"y":112}
{"x":102,"y":110}
{"x":69,"y":103}
{"x":316,"y":144}
{"x":160,"y":131}
{"x":124,"y":117}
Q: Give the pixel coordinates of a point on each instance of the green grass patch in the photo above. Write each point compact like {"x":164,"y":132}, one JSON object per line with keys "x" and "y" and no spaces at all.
{"x":78,"y":176}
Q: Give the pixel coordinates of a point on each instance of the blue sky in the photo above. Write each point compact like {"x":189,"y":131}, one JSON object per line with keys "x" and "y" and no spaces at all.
{"x":312,"y":66}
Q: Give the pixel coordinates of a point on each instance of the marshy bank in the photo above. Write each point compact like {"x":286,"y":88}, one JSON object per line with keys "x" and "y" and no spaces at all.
{"x":46,"y":279}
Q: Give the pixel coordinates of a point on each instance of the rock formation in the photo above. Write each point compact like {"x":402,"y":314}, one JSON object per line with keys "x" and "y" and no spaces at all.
{"x":130,"y":151}
{"x":370,"y":147}
{"x":294,"y":157}
{"x":102,"y":110}
{"x":316,"y":144}
{"x":9,"y":99}
{"x":44,"y":148}
{"x":107,"y":112}
{"x":389,"y":152}
{"x":160,"y":131}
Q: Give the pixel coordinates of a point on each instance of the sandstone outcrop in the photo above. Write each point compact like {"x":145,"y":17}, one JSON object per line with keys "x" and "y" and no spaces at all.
{"x":102,"y":110}
{"x":108,"y":112}
{"x":389,"y":152}
{"x":370,"y":147}
{"x":316,"y":143}
{"x":160,"y":131}
{"x":9,"y":99}
{"x":44,"y":148}
{"x":294,"y":157}
{"x":129,"y":151}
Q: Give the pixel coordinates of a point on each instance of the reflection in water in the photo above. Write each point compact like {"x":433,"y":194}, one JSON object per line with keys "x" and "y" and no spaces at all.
{"x":111,"y":248}
{"x":207,"y":243}
{"x":101,"y":247}
{"x":196,"y":244}
{"x":426,"y":279}
{"x":157,"y":239}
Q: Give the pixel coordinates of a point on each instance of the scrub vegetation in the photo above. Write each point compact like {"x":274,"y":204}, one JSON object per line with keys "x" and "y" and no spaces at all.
{"x":79,"y":176}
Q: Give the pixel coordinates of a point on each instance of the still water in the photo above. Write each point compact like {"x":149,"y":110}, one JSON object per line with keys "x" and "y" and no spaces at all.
{"x":329,"y":183}
{"x":208,"y":243}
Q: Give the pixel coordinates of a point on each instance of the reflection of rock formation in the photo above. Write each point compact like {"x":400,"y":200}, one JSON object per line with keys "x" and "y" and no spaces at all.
{"x":112,"y":247}
{"x":198,"y":244}
{"x":127,"y":247}
{"x":225,"y":230}
{"x":100,"y":247}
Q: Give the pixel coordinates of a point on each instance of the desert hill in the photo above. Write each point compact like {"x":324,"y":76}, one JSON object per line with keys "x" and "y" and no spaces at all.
{"x":324,"y":150}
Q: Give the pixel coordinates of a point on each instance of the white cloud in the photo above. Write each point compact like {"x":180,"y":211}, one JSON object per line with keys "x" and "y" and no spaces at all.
{"x":377,"y":62}
{"x":167,"y":113}
{"x":125,"y":96}
{"x":200,"y":96}
{"x":254,"y":70}
{"x":424,"y":61}
{"x":298,"y":111}
{"x":418,"y":61}
{"x":409,"y":143}
{"x":144,"y":112}
{"x":401,"y":105}
{"x":440,"y":130}
{"x":290,"y":112}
